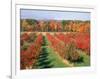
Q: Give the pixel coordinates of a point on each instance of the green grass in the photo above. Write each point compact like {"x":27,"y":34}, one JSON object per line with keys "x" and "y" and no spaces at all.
{"x":56,"y":61}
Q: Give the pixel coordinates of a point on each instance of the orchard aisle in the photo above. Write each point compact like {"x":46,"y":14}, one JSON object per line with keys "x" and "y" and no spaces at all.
{"x":48,"y":58}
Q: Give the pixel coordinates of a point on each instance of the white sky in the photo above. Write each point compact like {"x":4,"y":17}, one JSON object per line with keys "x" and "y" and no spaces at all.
{"x":56,"y":15}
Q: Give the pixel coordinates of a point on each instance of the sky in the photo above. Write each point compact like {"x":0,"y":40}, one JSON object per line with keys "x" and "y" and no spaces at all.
{"x":54,"y":15}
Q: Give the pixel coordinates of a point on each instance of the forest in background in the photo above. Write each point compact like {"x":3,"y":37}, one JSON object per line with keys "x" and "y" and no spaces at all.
{"x":30,"y":25}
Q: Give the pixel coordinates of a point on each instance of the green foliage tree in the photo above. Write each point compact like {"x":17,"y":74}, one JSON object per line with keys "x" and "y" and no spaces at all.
{"x":30,"y":21}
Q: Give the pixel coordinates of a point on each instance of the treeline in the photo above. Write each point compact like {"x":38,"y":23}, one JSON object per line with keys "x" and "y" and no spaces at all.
{"x":30,"y":25}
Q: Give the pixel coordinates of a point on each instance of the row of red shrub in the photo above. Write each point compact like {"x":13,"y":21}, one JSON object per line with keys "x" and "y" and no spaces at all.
{"x":65,"y":44}
{"x":81,"y":40}
{"x":30,"y":55}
